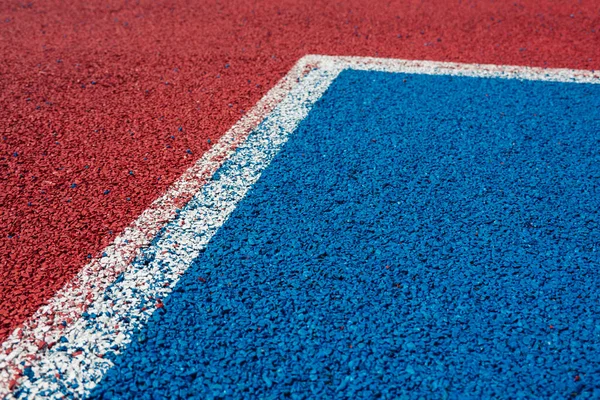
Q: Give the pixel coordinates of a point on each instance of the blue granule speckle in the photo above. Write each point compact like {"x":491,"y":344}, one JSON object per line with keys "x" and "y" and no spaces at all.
{"x":188,"y":151}
{"x":418,"y":236}
{"x":28,"y":372}
{"x":119,"y":278}
{"x":106,"y":191}
{"x":73,"y":185}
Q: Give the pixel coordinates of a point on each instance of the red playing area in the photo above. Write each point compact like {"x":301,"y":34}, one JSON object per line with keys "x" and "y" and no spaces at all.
{"x":102,"y":106}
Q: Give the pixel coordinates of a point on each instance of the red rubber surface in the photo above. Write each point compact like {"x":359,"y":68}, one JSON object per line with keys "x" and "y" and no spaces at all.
{"x":89,"y":92}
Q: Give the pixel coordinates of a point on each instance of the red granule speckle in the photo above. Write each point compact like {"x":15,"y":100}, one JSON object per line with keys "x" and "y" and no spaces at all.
{"x":41,"y":344}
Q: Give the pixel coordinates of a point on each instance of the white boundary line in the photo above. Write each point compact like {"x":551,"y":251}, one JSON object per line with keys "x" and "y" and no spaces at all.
{"x":57,"y":339}
{"x":31,"y":341}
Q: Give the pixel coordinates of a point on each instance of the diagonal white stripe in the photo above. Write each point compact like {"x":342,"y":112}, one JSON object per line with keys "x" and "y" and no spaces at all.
{"x":110,"y":320}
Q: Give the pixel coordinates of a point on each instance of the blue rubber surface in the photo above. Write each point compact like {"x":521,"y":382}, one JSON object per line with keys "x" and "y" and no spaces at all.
{"x":417,"y":236}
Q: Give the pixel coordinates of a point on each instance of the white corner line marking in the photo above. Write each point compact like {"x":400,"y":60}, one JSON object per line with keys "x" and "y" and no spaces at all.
{"x":70,"y":336}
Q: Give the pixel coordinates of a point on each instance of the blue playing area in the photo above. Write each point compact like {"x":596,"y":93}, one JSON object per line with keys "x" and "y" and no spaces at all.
{"x":417,"y":235}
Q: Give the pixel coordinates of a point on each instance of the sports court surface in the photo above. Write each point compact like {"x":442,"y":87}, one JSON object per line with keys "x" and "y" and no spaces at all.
{"x":255,"y":199}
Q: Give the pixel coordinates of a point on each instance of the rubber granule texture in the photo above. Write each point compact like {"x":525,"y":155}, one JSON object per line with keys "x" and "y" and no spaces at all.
{"x":103,"y":104}
{"x":417,"y":236}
